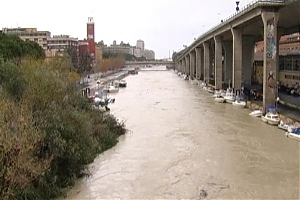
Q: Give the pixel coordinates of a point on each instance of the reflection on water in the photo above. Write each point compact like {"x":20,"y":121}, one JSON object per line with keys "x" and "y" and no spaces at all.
{"x":182,"y":144}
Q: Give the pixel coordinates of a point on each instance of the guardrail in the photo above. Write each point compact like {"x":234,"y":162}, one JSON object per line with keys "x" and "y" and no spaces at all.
{"x":243,"y":10}
{"x":289,"y":99}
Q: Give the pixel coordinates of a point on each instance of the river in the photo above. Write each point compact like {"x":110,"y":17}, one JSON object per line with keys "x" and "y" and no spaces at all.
{"x":183,"y":145}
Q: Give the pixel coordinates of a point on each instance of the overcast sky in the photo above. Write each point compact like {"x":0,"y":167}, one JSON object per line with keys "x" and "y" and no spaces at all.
{"x":164,"y":25}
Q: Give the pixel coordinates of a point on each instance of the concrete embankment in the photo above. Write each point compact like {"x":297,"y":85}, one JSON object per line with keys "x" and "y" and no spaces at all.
{"x":105,"y":79}
{"x":285,"y":117}
{"x":288,"y":113}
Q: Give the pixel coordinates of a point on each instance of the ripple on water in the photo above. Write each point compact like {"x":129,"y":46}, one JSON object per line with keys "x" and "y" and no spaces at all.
{"x":189,"y":147}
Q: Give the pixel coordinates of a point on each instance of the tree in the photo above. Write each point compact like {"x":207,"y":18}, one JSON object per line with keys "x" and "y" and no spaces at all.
{"x":73,"y":55}
{"x":13,"y":48}
{"x":85,"y":63}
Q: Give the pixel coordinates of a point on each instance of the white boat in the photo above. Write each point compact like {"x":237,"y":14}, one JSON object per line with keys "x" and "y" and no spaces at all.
{"x":239,"y":103}
{"x":210,"y":90}
{"x":256,"y":113}
{"x":219,"y":93}
{"x":229,"y":96}
{"x":194,"y":82}
{"x":293,"y":133}
{"x":122,"y":83}
{"x":271,"y":118}
{"x":219,"y":99}
{"x":112,"y":89}
{"x":285,"y":126}
{"x":116,"y":83}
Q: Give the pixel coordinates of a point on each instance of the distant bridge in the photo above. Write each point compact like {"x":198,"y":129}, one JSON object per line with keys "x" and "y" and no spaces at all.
{"x":168,"y":64}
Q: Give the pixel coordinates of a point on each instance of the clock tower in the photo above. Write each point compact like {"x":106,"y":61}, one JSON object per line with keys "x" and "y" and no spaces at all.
{"x":90,"y":33}
{"x":90,"y":29}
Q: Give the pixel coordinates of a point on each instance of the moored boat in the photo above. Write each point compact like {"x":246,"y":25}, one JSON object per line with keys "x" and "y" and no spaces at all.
{"x":271,"y":118}
{"x":238,"y":103}
{"x":219,"y":99}
{"x":293,"y":133}
{"x":210,"y":90}
{"x":122,"y":83}
{"x":256,"y":113}
{"x":284,"y":126}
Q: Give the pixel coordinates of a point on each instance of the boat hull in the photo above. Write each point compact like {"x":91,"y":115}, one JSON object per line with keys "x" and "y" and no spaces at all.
{"x":292,"y":136}
{"x":241,"y":105}
{"x":220,"y":100}
{"x":229,"y":100}
{"x":269,"y":121}
{"x":256,"y":114}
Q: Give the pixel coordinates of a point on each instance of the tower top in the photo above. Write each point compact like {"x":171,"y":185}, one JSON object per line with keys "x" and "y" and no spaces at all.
{"x":90,"y":20}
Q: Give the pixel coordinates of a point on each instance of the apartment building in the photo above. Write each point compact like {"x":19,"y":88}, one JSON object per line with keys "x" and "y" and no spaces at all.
{"x":289,"y":60}
{"x":59,"y":43}
{"x":30,"y":34}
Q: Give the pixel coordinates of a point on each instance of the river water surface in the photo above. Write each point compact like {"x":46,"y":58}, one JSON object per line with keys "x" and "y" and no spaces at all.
{"x":183,"y":145}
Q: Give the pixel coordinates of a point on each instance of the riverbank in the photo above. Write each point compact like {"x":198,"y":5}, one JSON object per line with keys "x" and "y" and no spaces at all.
{"x":50,"y":133}
{"x":284,"y":116}
{"x":288,"y":113}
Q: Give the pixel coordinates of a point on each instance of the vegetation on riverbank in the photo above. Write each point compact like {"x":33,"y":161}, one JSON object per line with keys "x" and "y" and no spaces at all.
{"x":48,"y":131}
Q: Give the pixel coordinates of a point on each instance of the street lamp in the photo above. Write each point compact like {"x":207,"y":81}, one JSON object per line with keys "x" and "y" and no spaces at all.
{"x":237,"y":6}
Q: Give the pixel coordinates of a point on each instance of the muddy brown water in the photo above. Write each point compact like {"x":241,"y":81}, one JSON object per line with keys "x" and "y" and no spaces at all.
{"x":183,"y":145}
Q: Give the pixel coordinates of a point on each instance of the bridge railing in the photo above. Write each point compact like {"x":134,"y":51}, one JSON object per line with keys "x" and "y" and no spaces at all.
{"x":243,"y":10}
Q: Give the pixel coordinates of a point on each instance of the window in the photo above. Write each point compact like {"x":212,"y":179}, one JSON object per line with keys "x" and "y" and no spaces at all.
{"x":288,"y":76}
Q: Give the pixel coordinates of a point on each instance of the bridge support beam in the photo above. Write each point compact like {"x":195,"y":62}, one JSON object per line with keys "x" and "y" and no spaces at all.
{"x":199,"y":57}
{"x":180,"y":66}
{"x":271,"y":57}
{"x":228,"y":62}
{"x":247,"y":59}
{"x":206,"y":61}
{"x":237,"y":59}
{"x":192,"y":64}
{"x":218,"y":62}
{"x":187,"y":65}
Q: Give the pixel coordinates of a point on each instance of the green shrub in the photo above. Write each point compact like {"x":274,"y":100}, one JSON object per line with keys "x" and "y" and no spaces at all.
{"x":49,"y":133}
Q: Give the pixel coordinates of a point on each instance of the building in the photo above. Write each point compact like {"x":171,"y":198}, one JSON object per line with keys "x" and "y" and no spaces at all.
{"x":90,"y":35}
{"x":83,"y":47}
{"x":59,"y":43}
{"x":115,"y":48}
{"x":289,"y":60}
{"x":140,"y":44}
{"x":30,"y":34}
{"x":149,"y":54}
{"x":123,"y":48}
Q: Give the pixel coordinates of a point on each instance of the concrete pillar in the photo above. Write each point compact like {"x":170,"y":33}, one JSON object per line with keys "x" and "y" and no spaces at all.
{"x":184,"y":65}
{"x":247,"y":59}
{"x":198,"y":63}
{"x":218,"y":62}
{"x":202,"y":64}
{"x":206,"y":61}
{"x":228,"y":62}
{"x":187,"y":65}
{"x":237,"y":59}
{"x":192,"y":64}
{"x":181,"y":66}
{"x":271,"y":54}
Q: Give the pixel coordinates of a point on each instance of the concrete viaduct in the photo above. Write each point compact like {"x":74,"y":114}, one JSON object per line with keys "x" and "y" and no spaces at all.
{"x":230,"y":45}
{"x":168,"y":64}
